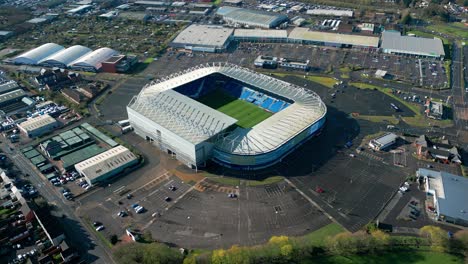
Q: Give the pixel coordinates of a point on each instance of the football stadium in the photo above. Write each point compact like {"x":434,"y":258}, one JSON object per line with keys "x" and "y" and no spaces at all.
{"x":232,"y":115}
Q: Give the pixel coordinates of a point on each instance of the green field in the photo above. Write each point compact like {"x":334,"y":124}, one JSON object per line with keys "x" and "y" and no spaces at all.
{"x":247,"y":114}
{"x":416,"y":257}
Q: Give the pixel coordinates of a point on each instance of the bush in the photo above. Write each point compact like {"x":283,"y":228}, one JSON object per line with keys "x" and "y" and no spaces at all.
{"x":114,"y":239}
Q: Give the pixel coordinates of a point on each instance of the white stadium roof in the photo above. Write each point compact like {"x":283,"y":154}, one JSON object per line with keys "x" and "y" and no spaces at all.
{"x":37,"y":54}
{"x":264,"y":137}
{"x":67,"y":56}
{"x":95,"y":58}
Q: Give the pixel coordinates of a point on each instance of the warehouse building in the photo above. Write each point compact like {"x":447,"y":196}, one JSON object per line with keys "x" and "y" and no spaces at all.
{"x":394,"y":43}
{"x":306,"y":36}
{"x":383,"y":142}
{"x":32,"y":57}
{"x":93,"y":61}
{"x":239,"y":17}
{"x":330,"y":12}
{"x":448,"y":195}
{"x":38,"y":126}
{"x":64,"y":57}
{"x":8,"y":87}
{"x":106,"y":165}
{"x":203,"y":38}
{"x":261,"y":35}
{"x":11,"y":97}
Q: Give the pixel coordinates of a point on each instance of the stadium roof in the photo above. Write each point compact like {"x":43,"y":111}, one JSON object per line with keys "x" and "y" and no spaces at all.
{"x":67,"y":56}
{"x":264,"y":137}
{"x":37,"y":122}
{"x":105,"y":162}
{"x":94,"y":59}
{"x":203,"y":35}
{"x":392,"y":41}
{"x":35,"y":55}
{"x":250,"y":17}
{"x":330,"y":12}
{"x":260,"y":33}
{"x":305,"y":34}
{"x":191,"y":120}
{"x":450,"y":191}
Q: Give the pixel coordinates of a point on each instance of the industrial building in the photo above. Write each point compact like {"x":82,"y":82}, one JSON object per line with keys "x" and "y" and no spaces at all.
{"x":106,"y":165}
{"x":93,"y":61}
{"x":79,"y":10}
{"x":330,"y":12}
{"x":306,"y":36}
{"x":240,"y":17}
{"x":119,"y":63}
{"x":261,"y":35}
{"x":34,"y":56}
{"x":11,"y":97}
{"x":447,"y":195}
{"x":38,"y":125}
{"x":167,"y":114}
{"x":383,"y":142}
{"x":203,"y":38}
{"x":8,"y":87}
{"x":64,"y":57}
{"x":394,"y":43}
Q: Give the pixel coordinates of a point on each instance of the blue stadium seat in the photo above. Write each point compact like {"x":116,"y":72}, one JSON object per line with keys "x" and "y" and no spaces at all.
{"x":245,"y":94}
{"x":267,"y":103}
{"x":276,"y":106}
{"x":284,"y":106}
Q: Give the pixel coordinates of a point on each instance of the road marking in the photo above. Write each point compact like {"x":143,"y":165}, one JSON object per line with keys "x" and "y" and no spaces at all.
{"x":313,"y":203}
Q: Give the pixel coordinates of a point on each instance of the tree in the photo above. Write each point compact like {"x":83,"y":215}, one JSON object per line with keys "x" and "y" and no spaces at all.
{"x":437,"y":238}
{"x":460,"y":242}
{"x":114,"y":239}
{"x":218,"y":256}
{"x":406,"y":18}
{"x":153,"y":253}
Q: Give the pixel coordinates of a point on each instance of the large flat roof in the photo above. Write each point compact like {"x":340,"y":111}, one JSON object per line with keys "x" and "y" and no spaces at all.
{"x":105,"y":162}
{"x":203,"y":35}
{"x":37,"y":122}
{"x":451,"y":192}
{"x":12,"y":95}
{"x":330,"y":12}
{"x":260,"y":33}
{"x":305,"y":34}
{"x":250,"y":17}
{"x":394,"y":42}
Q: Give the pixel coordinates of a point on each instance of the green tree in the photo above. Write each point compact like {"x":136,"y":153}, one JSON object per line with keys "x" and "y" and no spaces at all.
{"x":437,"y":238}
{"x":114,"y":239}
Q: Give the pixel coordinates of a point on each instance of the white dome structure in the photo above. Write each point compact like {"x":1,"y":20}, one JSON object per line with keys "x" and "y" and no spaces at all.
{"x":92,"y":61}
{"x":32,"y":57}
{"x":64,"y":57}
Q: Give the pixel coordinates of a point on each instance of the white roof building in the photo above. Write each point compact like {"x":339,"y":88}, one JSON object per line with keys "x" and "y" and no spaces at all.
{"x":35,"y":55}
{"x":203,"y":38}
{"x":38,"y":125}
{"x":330,"y":12}
{"x":305,"y":35}
{"x":64,"y":57}
{"x":106,"y":164}
{"x":92,"y":61}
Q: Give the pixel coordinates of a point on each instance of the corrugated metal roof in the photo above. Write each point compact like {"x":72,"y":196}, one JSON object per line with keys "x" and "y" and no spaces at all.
{"x":299,"y":33}
{"x":451,"y":193}
{"x":95,"y":58}
{"x":250,"y":17}
{"x":394,"y":42}
{"x":260,"y":33}
{"x":105,"y":162}
{"x":37,"y":122}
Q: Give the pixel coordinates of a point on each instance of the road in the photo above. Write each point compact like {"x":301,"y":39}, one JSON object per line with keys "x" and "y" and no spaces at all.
{"x":458,"y":89}
{"x":90,"y":249}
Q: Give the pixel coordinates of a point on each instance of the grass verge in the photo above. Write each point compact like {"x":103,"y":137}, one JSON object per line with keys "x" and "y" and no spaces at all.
{"x":318,"y":237}
{"x":456,"y":30}
{"x":269,"y":180}
{"x":413,"y":257}
{"x":100,"y":236}
{"x":323,"y":80}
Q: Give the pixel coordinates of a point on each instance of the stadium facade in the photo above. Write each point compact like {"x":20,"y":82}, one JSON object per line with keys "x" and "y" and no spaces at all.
{"x":168,"y":114}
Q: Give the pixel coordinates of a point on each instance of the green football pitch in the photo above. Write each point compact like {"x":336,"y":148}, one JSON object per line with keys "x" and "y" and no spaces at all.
{"x":247,"y":114}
